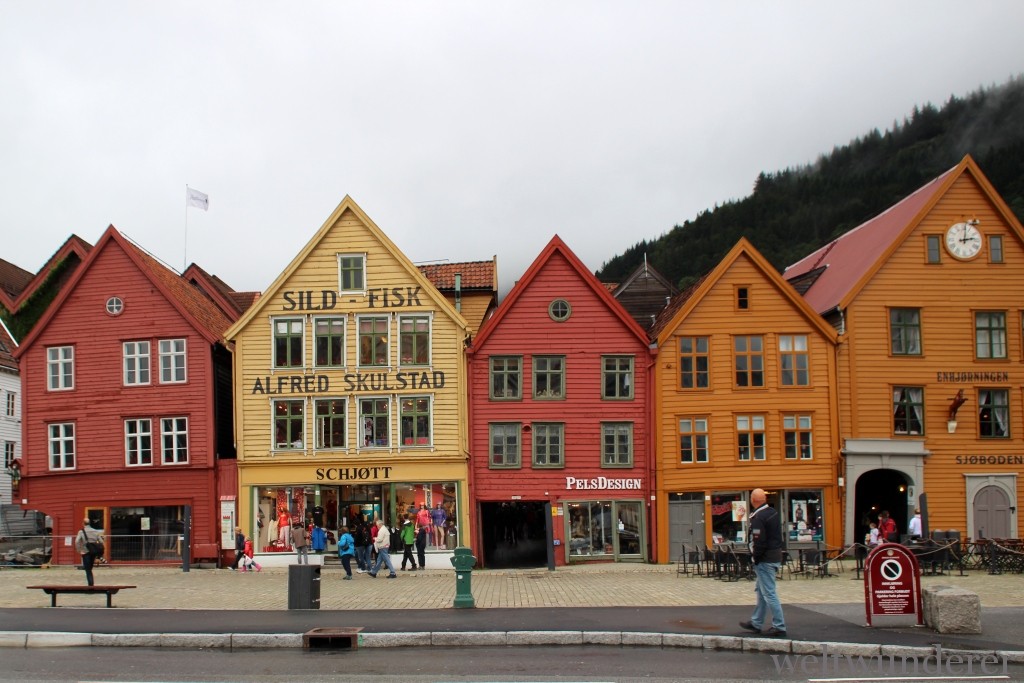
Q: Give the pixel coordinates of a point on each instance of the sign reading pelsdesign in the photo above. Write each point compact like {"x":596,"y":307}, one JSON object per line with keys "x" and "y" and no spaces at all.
{"x":605,"y":483}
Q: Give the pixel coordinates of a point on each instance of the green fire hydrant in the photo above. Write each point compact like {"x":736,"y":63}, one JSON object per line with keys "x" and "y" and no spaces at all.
{"x":463,"y":563}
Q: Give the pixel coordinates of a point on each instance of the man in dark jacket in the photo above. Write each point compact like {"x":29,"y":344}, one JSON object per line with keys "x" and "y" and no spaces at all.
{"x":766,"y":550}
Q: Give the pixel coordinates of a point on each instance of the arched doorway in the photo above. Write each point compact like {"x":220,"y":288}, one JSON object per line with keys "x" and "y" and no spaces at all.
{"x":878,"y":490}
{"x":991,"y":513}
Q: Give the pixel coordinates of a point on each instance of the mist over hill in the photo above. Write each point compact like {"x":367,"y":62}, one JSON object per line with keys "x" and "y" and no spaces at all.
{"x":793,"y":212}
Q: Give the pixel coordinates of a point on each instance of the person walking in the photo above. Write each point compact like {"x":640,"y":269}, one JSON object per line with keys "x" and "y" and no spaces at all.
{"x":421,"y":546}
{"x":300,"y":541}
{"x":766,"y":552}
{"x":408,"y":539}
{"x":346,"y":549}
{"x":89,"y":544}
{"x":364,"y":541}
{"x":887,"y":531}
{"x":382,"y":542}
{"x":914,"y":528}
{"x":239,"y":547}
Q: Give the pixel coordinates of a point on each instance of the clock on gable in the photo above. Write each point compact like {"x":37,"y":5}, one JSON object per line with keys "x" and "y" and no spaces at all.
{"x":963,"y":240}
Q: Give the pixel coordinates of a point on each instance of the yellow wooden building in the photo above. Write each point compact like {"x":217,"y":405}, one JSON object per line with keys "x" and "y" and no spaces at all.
{"x":350,"y":399}
{"x":744,"y":398}
{"x":928,"y":298}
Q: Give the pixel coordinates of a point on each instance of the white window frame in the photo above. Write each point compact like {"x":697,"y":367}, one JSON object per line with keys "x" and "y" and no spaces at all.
{"x":361,"y":433}
{"x":273,"y":342}
{"x":60,"y":368}
{"x":430,"y":339}
{"x":171,"y":428}
{"x":12,"y":404}
{"x":135,"y":455}
{"x":344,"y":339}
{"x":136,"y":362}
{"x":359,"y":339}
{"x":352,"y":290}
{"x":289,"y":446}
{"x":173,"y":358}
{"x":61,"y":445}
{"x":317,"y":443}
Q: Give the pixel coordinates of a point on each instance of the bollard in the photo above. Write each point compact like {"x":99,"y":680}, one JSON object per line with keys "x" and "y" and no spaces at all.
{"x":463,"y":563}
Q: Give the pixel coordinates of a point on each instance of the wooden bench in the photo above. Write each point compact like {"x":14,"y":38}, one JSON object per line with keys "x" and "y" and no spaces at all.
{"x":54,"y":591}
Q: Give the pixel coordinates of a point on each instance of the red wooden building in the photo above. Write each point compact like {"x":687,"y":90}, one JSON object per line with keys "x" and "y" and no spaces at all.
{"x":127,"y":410}
{"x":558,"y":382}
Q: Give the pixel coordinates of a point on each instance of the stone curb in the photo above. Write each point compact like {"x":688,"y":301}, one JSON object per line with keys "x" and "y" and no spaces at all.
{"x":34,"y":639}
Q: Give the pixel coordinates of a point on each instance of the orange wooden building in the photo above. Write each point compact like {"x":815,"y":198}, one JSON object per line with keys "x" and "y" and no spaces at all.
{"x":744,"y":398}
{"x":927,"y":298}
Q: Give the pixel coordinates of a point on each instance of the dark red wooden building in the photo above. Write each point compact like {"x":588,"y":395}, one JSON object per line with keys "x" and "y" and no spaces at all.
{"x":127,"y":410}
{"x":558,"y":384}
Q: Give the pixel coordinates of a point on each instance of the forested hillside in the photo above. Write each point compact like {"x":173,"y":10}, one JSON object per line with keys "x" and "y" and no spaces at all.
{"x":793,"y":212}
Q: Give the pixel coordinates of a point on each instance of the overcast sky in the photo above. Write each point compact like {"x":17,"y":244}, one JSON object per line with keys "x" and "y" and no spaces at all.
{"x":465,"y":130}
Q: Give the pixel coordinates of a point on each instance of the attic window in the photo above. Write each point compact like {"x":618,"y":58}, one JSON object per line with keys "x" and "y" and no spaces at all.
{"x":559,"y":310}
{"x":115,"y":305}
{"x":742,"y":298}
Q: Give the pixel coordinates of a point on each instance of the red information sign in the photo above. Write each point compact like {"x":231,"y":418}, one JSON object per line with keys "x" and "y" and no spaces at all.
{"x":892,"y":586}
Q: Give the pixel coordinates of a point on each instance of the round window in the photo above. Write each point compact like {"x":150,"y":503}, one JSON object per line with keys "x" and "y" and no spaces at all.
{"x":115,"y":305}
{"x":559,"y":310}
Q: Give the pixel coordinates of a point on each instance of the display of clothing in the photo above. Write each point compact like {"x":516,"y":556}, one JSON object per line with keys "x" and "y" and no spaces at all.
{"x":318,"y":539}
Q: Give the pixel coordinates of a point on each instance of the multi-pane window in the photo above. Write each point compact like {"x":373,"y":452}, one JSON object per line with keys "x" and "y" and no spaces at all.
{"x":374,"y":422}
{"x":908,"y":410}
{"x":748,"y":355}
{"x":750,"y":436}
{"x":993,"y":413}
{"x":794,"y":360}
{"x":172,"y":360}
{"x":506,"y":376}
{"x":136,"y":363}
{"x":8,"y":453}
{"x":905,"y":331}
{"x":616,"y":444}
{"x":60,"y":368}
{"x":617,"y":377}
{"x":548,"y":444}
{"x":329,"y":342}
{"x":414,"y":339}
{"x":693,"y":439}
{"x":289,"y":425}
{"x":12,"y":404}
{"x":990,"y":334}
{"x":796,"y":433}
{"x":373,"y":341}
{"x":330,"y":422}
{"x":288,"y":342}
{"x":174,"y":436}
{"x":504,"y":448}
{"x":693,"y":362}
{"x":62,"y":445}
{"x":415,"y":419}
{"x":138,"y":442}
{"x":351,"y":273}
{"x":548,"y":376}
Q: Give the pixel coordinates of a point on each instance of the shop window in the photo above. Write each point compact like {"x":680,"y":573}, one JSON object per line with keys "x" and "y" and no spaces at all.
{"x":506,"y":377}
{"x":144,"y":533}
{"x":60,"y":368}
{"x":375,"y":420}
{"x":373,"y":341}
{"x":136,"y":363}
{"x":803,"y":516}
{"x":433,"y":506}
{"x":729,"y":517}
{"x":330,"y":414}
{"x":794,"y":359}
{"x":748,"y":357}
{"x":329,"y":342}
{"x":504,"y":444}
{"x":750,"y":434}
{"x":289,"y":425}
{"x":288,"y":342}
{"x":414,"y":339}
{"x":602,"y":529}
{"x":993,"y":413}
{"x":693,"y":363}
{"x":138,"y":442}
{"x":617,"y":377}
{"x":693,"y":439}
{"x":416,"y":422}
{"x":908,"y":410}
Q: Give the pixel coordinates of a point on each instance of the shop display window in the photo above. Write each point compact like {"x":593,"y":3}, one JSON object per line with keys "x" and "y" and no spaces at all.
{"x":729,"y":517}
{"x":605,"y":528}
{"x":803,"y":516}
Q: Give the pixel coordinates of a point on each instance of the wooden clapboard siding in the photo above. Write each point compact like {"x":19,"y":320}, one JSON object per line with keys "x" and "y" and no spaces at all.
{"x":710,"y":311}
{"x":597,"y":327}
{"x":948,"y":295}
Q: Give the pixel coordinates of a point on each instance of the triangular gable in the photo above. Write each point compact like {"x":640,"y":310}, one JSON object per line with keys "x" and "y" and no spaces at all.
{"x":644,"y":269}
{"x":199,"y":311}
{"x":854,"y":258}
{"x":231,"y":303}
{"x":557,"y":246}
{"x":690,"y":298}
{"x":18,"y":285}
{"x":347,"y":204}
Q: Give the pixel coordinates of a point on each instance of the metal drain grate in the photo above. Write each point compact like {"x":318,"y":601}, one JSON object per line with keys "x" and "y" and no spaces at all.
{"x":337,"y":638}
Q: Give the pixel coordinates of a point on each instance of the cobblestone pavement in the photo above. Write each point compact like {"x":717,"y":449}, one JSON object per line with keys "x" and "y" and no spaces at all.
{"x":602,"y":585}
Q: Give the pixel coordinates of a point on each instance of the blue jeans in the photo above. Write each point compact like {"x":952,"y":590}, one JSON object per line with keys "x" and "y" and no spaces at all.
{"x":767,"y":598}
{"x":363,"y":557}
{"x":383,"y":557}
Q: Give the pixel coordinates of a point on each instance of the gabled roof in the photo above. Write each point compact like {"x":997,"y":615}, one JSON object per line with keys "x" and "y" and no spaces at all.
{"x":683,"y":303}
{"x":644,"y":294}
{"x":18,"y":285}
{"x":847,"y":263}
{"x":475,"y":275}
{"x":347,"y":204}
{"x":647,"y":271}
{"x":232,"y":303}
{"x":202,"y":313}
{"x":557,"y":246}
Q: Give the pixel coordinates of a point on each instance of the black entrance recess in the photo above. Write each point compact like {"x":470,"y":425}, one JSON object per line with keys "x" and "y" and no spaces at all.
{"x":879,"y":490}
{"x":513,"y":534}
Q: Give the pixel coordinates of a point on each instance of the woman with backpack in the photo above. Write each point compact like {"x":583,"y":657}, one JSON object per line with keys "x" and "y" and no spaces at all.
{"x":346,"y":549}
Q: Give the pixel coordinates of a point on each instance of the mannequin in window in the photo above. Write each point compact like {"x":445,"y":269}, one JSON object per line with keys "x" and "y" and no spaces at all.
{"x":283,"y":525}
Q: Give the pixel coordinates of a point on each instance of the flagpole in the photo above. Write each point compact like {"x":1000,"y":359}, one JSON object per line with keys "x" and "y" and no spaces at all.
{"x":184,"y":264}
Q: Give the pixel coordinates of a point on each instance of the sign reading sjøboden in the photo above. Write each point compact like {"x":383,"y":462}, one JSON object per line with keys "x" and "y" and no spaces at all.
{"x":892,"y":587}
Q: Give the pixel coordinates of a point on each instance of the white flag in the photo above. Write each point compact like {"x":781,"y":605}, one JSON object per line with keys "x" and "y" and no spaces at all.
{"x":196,"y":198}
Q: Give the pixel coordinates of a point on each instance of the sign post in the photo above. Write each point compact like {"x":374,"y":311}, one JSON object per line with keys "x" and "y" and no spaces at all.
{"x":892,"y":587}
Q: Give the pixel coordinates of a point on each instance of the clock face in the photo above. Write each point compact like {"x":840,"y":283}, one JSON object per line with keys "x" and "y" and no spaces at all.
{"x":963,"y":241}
